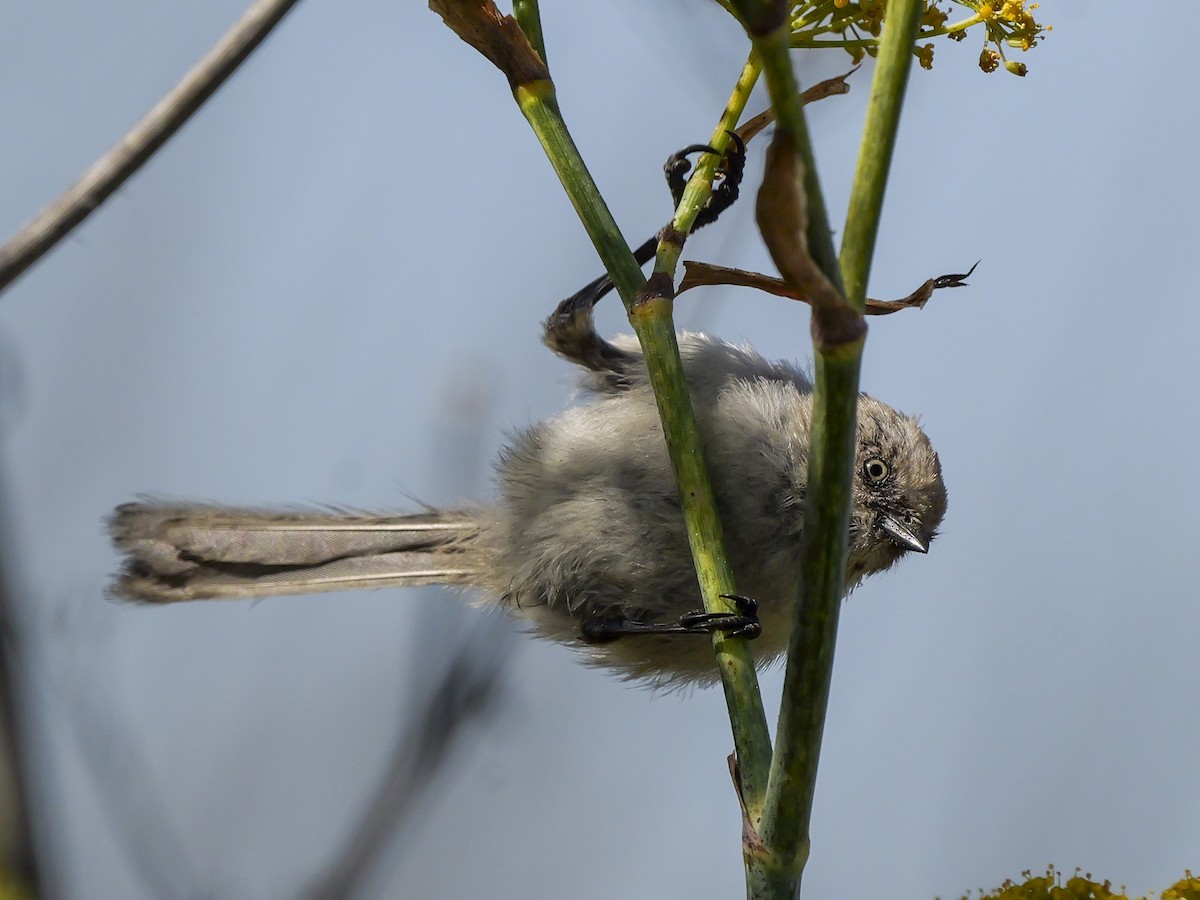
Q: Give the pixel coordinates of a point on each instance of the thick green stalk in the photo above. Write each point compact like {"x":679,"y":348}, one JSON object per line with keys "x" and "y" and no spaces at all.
{"x":775,"y":870}
{"x":503,"y":41}
{"x":655,"y":328}
{"x":792,"y":785}
{"x":838,"y":337}
{"x":649,"y":308}
{"x":837,"y":357}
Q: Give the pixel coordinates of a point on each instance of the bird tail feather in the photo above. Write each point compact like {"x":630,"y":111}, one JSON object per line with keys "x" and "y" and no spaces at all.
{"x":194,"y":552}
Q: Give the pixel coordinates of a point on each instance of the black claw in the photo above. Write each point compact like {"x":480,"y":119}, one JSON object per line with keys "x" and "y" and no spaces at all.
{"x":744,"y":623}
{"x":725,"y":194}
{"x":695,"y":148}
{"x":677,"y":167}
{"x":749,"y":632}
{"x":747,"y":606}
{"x":567,"y":320}
{"x":732,"y":625}
{"x":960,"y":280}
{"x":733,"y":165}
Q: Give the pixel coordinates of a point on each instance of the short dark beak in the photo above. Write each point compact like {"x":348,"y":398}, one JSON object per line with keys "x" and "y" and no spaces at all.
{"x":905,"y":537}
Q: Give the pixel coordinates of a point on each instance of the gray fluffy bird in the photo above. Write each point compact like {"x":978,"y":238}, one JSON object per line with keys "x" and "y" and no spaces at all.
{"x":586,"y":541}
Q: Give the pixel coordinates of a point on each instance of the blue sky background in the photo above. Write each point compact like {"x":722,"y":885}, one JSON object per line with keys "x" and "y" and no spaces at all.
{"x":328,"y":288}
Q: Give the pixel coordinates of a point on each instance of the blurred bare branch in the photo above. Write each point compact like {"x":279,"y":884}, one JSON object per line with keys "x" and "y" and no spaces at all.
{"x":130,"y":153}
{"x":468,"y":689}
{"x":456,"y":678}
{"x":17,"y":858}
{"x":120,"y":774}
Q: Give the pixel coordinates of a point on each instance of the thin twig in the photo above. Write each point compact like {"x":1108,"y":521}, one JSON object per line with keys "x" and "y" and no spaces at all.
{"x":700,"y":274}
{"x":456,"y":673}
{"x":130,"y":153}
{"x":17,"y":854}
{"x":134,"y":805}
{"x":819,"y":91}
{"x":468,"y":689}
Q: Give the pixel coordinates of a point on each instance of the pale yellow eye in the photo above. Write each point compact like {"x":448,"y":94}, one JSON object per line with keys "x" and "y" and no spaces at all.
{"x":876,"y":470}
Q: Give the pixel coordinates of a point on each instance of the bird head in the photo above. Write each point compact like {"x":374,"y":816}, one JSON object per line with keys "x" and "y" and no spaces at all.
{"x":898,"y":497}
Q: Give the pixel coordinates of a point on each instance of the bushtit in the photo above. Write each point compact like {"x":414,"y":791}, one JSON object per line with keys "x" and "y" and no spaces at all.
{"x":587,"y":541}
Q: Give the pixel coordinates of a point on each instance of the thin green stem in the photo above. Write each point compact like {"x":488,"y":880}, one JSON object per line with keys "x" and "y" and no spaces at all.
{"x":954,"y":27}
{"x":784,"y":91}
{"x":878,"y":143}
{"x":529,"y":17}
{"x":655,"y":328}
{"x":792,"y":786}
{"x":539,"y":104}
{"x":650,"y":314}
{"x":807,"y":40}
{"x":699,"y":186}
{"x":774,"y":870}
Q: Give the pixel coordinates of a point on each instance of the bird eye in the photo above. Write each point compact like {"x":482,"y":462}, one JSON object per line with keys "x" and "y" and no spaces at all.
{"x":875,"y":469}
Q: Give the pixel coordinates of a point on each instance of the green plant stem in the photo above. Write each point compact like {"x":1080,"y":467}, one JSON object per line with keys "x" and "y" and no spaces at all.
{"x":699,"y":186}
{"x":539,"y":104}
{"x":529,"y":17}
{"x":655,"y":327}
{"x":774,"y":870}
{"x":784,"y":92}
{"x":785,"y":825}
{"x":649,"y":308}
{"x":784,"y":830}
{"x":792,"y":785}
{"x":878,"y":143}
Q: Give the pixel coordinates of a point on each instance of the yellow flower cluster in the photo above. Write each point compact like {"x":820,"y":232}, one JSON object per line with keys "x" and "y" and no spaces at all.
{"x":1050,"y":886}
{"x":1187,"y":888}
{"x":855,"y":26}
